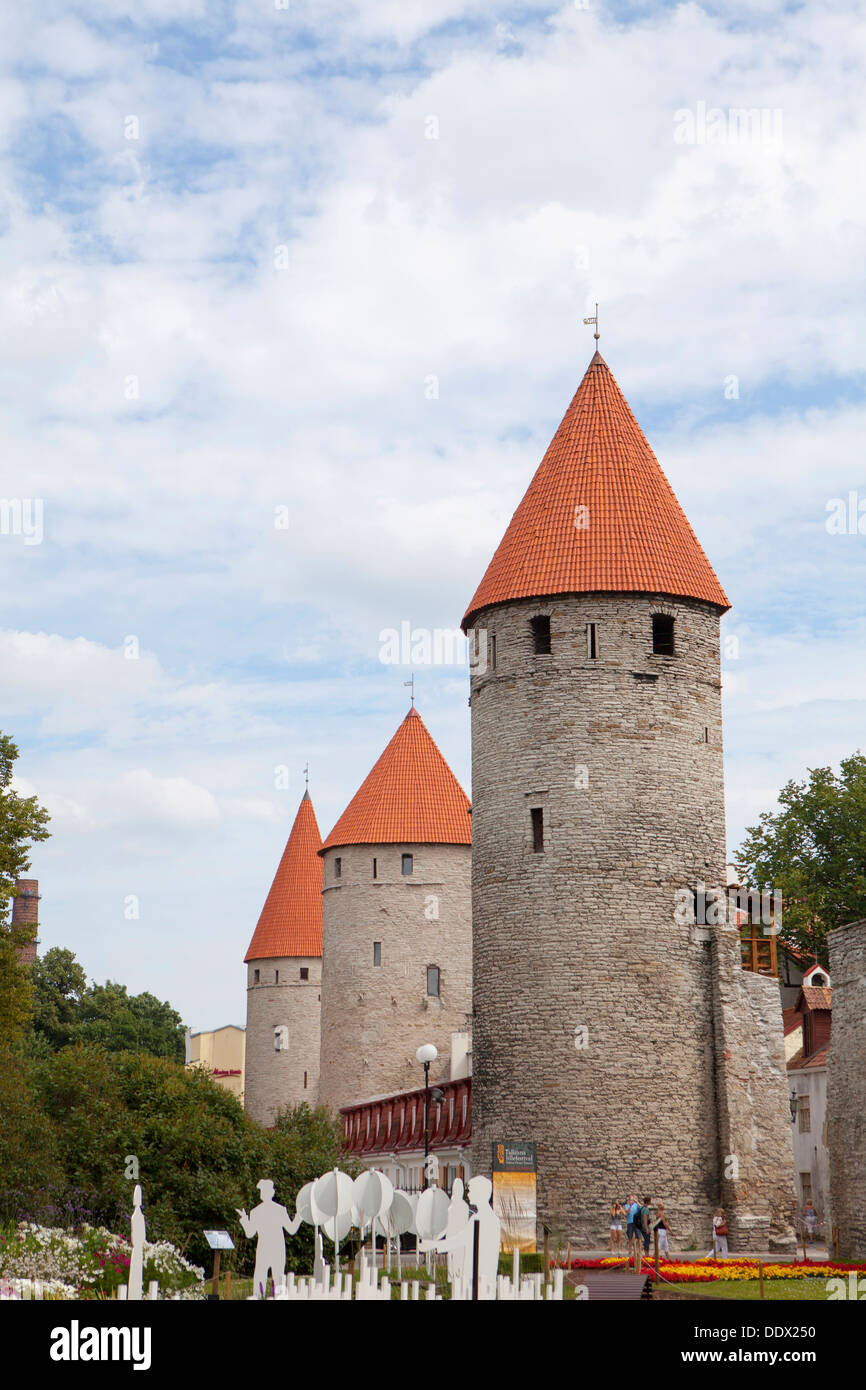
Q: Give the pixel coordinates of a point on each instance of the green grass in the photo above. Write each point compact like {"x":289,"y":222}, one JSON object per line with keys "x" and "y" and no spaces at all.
{"x":785,"y":1290}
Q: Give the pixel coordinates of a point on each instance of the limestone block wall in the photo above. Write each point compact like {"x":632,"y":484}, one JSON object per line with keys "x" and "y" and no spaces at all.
{"x":754,"y":1116}
{"x":375,"y":1016}
{"x":278,"y":997}
{"x":846,"y":1090}
{"x":594,"y":1010}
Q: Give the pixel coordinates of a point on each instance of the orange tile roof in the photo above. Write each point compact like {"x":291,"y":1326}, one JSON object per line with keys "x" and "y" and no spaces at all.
{"x":410,"y":797}
{"x":291,"y":919}
{"x":816,"y":996}
{"x":636,"y":537}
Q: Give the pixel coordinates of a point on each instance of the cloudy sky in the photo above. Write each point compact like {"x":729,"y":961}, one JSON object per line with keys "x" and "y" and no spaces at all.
{"x":292,"y":299}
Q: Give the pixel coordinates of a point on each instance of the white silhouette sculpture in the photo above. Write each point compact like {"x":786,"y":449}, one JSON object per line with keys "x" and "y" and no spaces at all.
{"x":458,"y":1219}
{"x":331,"y":1204}
{"x":136,"y":1263}
{"x":489,"y":1235}
{"x":268,"y":1221}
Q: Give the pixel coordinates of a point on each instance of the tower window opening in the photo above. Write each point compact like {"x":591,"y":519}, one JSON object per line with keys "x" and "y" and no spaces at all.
{"x":406,"y":864}
{"x":433,"y":980}
{"x":540,"y":626}
{"x":706,"y":735}
{"x":338,"y":867}
{"x":276,"y":977}
{"x":591,"y":641}
{"x":305,"y":1081}
{"x":537,"y":816}
{"x":305,"y":972}
{"x":375,"y":867}
{"x":257,"y":975}
{"x":493,"y":650}
{"x":377,"y":953}
{"x":663,"y":634}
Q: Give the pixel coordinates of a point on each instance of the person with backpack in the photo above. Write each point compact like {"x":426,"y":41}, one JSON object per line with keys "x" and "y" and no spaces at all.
{"x":642,"y":1224}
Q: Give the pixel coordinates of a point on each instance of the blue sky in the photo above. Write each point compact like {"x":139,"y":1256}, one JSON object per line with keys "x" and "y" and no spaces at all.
{"x":238,"y":243}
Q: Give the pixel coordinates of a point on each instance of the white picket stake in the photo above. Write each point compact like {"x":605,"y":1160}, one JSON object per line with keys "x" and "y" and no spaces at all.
{"x":404,"y":1291}
{"x":153,"y":1291}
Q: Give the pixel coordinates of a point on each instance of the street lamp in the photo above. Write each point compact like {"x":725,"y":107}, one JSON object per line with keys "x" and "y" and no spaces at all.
{"x":795,"y":1101}
{"x":426,"y":1054}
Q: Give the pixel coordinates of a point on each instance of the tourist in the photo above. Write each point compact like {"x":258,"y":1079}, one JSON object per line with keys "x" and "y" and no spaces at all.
{"x":643,"y":1224}
{"x":810,"y":1216}
{"x":720,"y":1235}
{"x":663,"y":1227}
{"x":632,"y":1211}
{"x":617,"y":1212}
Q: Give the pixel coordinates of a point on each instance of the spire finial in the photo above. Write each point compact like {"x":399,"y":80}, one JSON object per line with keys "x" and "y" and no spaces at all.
{"x":594,"y":320}
{"x":307,"y":777}
{"x":412,"y":684}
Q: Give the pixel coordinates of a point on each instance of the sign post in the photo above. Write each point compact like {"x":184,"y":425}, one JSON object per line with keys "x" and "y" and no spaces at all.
{"x":218,"y":1241}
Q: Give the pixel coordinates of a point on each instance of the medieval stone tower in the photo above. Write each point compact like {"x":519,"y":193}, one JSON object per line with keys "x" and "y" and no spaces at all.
{"x":628,"y":1043}
{"x":284,"y":980}
{"x":396,"y":968}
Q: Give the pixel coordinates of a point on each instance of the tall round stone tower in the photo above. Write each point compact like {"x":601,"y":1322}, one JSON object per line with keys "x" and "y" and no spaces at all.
{"x":607,"y":1028}
{"x":284,"y":980}
{"x":397,"y":933}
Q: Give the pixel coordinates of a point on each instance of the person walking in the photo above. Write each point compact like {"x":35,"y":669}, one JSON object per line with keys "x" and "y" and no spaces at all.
{"x":617,"y":1212}
{"x":664,"y":1229}
{"x":810,"y":1216}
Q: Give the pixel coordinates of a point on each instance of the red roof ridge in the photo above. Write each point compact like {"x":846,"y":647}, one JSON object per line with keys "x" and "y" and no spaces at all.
{"x":410,"y":796}
{"x":290,"y":923}
{"x":598,"y":470}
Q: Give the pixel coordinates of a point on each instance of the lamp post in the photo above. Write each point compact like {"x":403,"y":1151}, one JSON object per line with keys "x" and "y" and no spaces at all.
{"x":426,"y":1054}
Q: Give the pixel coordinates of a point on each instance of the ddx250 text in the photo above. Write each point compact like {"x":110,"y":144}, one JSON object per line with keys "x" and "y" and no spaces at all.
{"x":723,"y":1333}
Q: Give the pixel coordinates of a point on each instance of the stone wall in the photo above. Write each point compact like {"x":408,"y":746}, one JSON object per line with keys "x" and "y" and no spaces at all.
{"x":594,"y":1009}
{"x":374,"y":1017}
{"x":846,"y":1090}
{"x":274,"y":1079}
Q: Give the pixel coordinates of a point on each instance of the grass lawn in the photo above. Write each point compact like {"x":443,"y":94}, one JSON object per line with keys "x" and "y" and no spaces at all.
{"x":811,"y":1290}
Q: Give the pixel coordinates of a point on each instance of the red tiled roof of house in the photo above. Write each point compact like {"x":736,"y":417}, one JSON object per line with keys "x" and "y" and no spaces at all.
{"x":816,"y":996}
{"x":799,"y":1061}
{"x":410,"y":797}
{"x":791,"y":1019}
{"x":636,"y":537}
{"x":291,"y":919}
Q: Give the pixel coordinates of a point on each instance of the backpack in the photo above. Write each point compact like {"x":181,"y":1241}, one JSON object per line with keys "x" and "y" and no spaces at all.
{"x":642,"y":1220}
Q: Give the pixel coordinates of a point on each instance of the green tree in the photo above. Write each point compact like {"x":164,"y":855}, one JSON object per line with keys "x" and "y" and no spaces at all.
{"x":22,"y":822}
{"x":59,"y":984}
{"x":121,"y":1022}
{"x":813,"y":851}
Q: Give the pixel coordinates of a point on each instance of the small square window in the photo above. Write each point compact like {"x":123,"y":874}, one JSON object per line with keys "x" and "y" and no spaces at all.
{"x":406,"y":864}
{"x":541,"y":634}
{"x":663,"y":635}
{"x":537,"y":817}
{"x":338,"y":867}
{"x":305,"y":972}
{"x":377,"y":953}
{"x":433,"y":980}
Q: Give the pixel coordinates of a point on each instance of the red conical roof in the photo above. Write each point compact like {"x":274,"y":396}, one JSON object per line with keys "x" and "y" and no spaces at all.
{"x":410,"y":797}
{"x":291,"y":920}
{"x":633,"y":535}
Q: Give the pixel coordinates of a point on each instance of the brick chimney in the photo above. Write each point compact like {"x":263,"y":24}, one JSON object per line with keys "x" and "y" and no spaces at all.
{"x":25,"y":913}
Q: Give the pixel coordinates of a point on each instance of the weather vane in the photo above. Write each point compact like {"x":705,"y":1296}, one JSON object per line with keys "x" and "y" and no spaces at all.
{"x":594,"y":320}
{"x":307,"y":776}
{"x":412,"y":684}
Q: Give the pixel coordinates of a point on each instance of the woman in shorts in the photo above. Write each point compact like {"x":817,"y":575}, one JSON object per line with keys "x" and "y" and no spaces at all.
{"x":617,"y":1212}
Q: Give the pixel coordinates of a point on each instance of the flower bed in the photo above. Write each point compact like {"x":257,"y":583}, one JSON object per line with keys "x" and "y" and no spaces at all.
{"x":91,"y":1262}
{"x":710,"y":1271}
